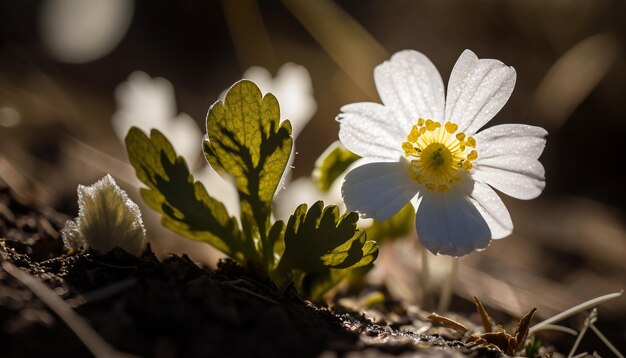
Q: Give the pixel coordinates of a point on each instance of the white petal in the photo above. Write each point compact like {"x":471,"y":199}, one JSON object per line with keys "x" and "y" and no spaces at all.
{"x":148,"y":103}
{"x":511,"y":139}
{"x":517,"y":176}
{"x":477,"y":90}
{"x":367,"y":129}
{"x":410,"y":84}
{"x":144,"y":102}
{"x":260,"y":76}
{"x":185,"y":136}
{"x":379,"y":190}
{"x":292,"y":87}
{"x":222,"y":189}
{"x":416,"y":201}
{"x":450,"y":224}
{"x":294,"y":90}
{"x":492,"y":209}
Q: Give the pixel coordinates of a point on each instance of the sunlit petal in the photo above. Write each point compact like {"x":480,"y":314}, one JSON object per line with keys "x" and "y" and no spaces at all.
{"x":519,"y":177}
{"x":410,"y":84}
{"x":367,"y":129}
{"x":511,"y":139}
{"x":477,"y":90}
{"x":492,"y":210}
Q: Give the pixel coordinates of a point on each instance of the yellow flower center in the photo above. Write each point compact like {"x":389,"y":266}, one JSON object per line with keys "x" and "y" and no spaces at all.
{"x":439,"y":154}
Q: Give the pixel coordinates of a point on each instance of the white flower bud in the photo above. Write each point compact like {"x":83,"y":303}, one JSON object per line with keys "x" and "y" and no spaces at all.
{"x":107,"y":218}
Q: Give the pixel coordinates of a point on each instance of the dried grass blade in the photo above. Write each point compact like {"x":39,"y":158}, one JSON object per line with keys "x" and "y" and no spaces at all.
{"x":484,"y":316}
{"x":447,"y":322}
{"x":522,"y":329}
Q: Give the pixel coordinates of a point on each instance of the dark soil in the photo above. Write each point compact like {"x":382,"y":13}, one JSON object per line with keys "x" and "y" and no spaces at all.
{"x":172,"y":308}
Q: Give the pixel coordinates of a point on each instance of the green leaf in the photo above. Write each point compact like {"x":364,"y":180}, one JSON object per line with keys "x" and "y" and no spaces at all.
{"x":246,"y":140}
{"x":397,"y":226}
{"x":319,"y":239}
{"x":331,"y":164}
{"x":532,"y":349}
{"x":316,"y":248}
{"x":185,"y":205}
{"x":315,"y":285}
{"x":276,"y":245}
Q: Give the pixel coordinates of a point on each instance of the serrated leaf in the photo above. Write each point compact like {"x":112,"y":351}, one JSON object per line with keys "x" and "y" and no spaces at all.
{"x":315,"y":285}
{"x":331,"y":164}
{"x":398,"y":226}
{"x":185,"y":206}
{"x":275,"y":244}
{"x":246,"y":140}
{"x":319,"y":239}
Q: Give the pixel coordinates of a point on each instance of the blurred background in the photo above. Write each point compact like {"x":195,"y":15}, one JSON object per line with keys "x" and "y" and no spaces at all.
{"x":76,"y":74}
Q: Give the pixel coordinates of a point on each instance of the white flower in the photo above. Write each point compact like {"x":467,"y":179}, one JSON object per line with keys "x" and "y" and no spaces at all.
{"x":423,"y":148}
{"x":107,"y":218}
{"x":292,"y":87}
{"x":147,"y":103}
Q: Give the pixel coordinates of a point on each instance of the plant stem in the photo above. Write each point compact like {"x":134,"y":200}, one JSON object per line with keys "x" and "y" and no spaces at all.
{"x":588,"y":321}
{"x":606,"y":341}
{"x":446,"y":289}
{"x":424,"y":277}
{"x":581,"y":307}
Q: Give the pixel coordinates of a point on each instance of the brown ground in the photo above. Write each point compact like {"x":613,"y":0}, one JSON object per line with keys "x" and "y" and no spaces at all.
{"x":171,"y":308}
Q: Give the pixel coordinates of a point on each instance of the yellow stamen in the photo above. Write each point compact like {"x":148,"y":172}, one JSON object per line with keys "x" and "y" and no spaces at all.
{"x":451,"y":127}
{"x":439,"y":155}
{"x":412,"y":137}
{"x":430,"y":125}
